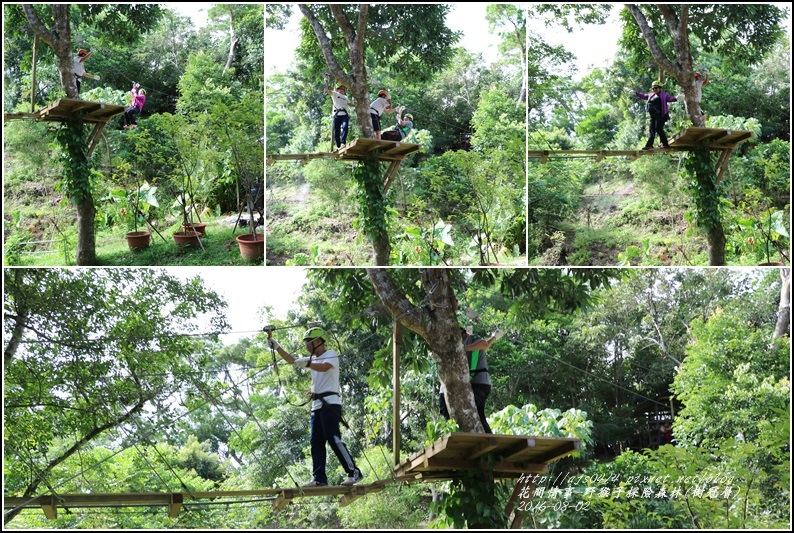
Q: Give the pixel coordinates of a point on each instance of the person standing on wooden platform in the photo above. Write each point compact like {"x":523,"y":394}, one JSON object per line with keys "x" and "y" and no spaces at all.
{"x":475,"y":348}
{"x":78,"y":68}
{"x":341,"y":117}
{"x":379,"y":106}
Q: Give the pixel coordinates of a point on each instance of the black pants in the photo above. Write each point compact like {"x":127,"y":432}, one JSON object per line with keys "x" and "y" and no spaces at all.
{"x":128,"y":119}
{"x":78,"y":80}
{"x":340,"y":128}
{"x":391,"y":135}
{"x":481,"y":393}
{"x":657,"y":126}
{"x":325,"y":428}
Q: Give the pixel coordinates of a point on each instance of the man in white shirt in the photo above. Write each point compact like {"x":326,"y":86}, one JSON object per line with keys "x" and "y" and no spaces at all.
{"x":326,"y":405}
{"x":78,"y":69}
{"x":379,"y":106}
{"x":341,"y":118}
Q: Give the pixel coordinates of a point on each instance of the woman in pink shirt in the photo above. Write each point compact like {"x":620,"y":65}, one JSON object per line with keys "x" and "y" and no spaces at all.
{"x":138,"y":99}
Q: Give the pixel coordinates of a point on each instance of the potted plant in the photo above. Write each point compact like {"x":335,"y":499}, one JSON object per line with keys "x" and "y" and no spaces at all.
{"x":246,"y":157}
{"x":188,"y":234}
{"x":136,"y":207}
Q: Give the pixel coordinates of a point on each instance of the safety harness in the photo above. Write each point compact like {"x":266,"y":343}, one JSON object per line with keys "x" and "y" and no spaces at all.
{"x":475,"y":359}
{"x":321,"y":396}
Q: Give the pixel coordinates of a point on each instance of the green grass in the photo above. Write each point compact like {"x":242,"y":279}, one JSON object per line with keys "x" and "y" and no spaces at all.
{"x":219,"y":249}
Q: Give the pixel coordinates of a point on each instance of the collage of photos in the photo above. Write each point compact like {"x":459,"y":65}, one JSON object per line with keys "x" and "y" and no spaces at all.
{"x":397,"y":266}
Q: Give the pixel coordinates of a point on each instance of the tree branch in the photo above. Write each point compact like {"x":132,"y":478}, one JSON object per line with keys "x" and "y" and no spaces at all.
{"x":398,"y":305}
{"x":650,"y":40}
{"x":325,"y":43}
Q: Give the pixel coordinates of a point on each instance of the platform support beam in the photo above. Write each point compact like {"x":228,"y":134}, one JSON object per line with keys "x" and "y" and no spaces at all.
{"x":48,"y":505}
{"x":722,"y":163}
{"x":93,"y":139}
{"x":524,"y":490}
{"x":175,"y":505}
{"x":282,"y":500}
{"x":390,"y":173}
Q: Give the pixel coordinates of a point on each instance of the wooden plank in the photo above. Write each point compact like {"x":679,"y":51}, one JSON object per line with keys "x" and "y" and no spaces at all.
{"x":282,"y":500}
{"x":518,"y":449}
{"x":49,"y":507}
{"x":561,"y":451}
{"x":390,"y":174}
{"x":175,"y":505}
{"x":355,"y":494}
{"x":722,"y":164}
{"x":93,"y":139}
{"x":483,"y":447}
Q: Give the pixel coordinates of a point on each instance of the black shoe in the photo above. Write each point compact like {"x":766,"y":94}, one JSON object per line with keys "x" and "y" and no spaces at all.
{"x":647,"y":147}
{"x":665,"y":146}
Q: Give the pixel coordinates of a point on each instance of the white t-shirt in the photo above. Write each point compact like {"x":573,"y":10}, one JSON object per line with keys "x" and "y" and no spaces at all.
{"x":326,"y":381}
{"x":79,"y":68}
{"x":379,"y":105}
{"x":699,"y":89}
{"x":341,"y":102}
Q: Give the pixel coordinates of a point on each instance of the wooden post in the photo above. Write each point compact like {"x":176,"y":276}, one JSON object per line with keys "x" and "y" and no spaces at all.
{"x":33,"y":84}
{"x":397,"y":340}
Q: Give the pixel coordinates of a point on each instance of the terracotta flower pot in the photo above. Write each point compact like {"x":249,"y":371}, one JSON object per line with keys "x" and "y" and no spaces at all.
{"x":198,"y":226}
{"x":138,"y":240}
{"x":186,"y":238}
{"x":252,"y":247}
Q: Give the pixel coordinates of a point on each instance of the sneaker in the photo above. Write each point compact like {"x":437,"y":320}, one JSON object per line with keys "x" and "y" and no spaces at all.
{"x":314,"y":483}
{"x":355,"y":478}
{"x":134,"y":126}
{"x":647,"y":147}
{"x":126,"y":127}
{"x":665,"y":146}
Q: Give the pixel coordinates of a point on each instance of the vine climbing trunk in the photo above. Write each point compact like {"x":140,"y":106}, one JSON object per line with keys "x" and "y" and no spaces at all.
{"x":373,"y":208}
{"x":77,"y":184}
{"x":703,"y":185}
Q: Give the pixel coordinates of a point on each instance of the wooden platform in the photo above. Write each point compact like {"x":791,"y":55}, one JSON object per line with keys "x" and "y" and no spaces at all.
{"x":356,"y":150}
{"x":512,"y":456}
{"x":716,"y":138}
{"x":95,"y":112}
{"x":392,"y":151}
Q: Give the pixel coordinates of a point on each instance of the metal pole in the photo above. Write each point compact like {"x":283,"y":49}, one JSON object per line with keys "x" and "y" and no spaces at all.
{"x":397,"y":340}
{"x":33,"y":83}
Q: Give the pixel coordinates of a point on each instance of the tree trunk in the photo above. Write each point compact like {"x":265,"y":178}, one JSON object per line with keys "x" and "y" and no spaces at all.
{"x":60,"y":40}
{"x":784,"y":308}
{"x":233,"y":40}
{"x":435,"y":320}
{"x":381,"y":248}
{"x":20,"y":320}
{"x":86,"y":239}
{"x":716,"y":241}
